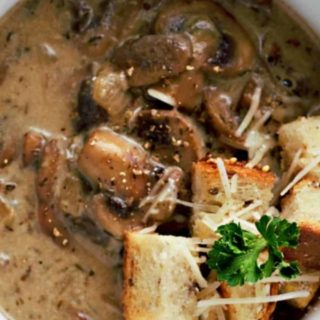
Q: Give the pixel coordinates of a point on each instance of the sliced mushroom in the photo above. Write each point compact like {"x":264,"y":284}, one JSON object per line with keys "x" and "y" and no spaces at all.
{"x":116,"y":164}
{"x":89,"y":112}
{"x":33,"y":145}
{"x":109,"y":91}
{"x":52,"y":224}
{"x":71,"y":200}
{"x":232,"y":50}
{"x":219,"y":108}
{"x":221,"y":102}
{"x":114,"y":221}
{"x":161,"y":201}
{"x":116,"y":217}
{"x":51,"y":172}
{"x":184,"y":92}
{"x":204,"y":35}
{"x":114,"y":21}
{"x":172,"y":138}
{"x":153,"y":58}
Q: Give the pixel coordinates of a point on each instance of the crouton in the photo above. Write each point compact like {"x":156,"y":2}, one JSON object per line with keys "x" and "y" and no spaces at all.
{"x":300,"y":303}
{"x":249,"y":311}
{"x":159,"y":282}
{"x":252,"y":185}
{"x":302,"y":205}
{"x":302,"y":134}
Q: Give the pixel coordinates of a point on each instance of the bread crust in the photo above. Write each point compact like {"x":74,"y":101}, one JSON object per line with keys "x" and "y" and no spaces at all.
{"x":158,"y":280}
{"x":307,"y":253}
{"x":252,"y":184}
{"x":233,"y":312}
{"x":302,"y":205}
{"x":255,"y":175}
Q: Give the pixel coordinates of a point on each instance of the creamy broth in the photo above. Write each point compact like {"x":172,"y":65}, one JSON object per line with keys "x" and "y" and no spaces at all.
{"x":43,"y":62}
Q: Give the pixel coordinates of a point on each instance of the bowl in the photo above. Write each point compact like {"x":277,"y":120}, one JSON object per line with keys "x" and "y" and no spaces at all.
{"x":307,"y":11}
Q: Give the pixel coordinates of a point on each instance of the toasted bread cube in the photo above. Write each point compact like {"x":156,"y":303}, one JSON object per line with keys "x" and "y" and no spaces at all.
{"x":158,"y":280}
{"x":252,"y":185}
{"x":300,"y":303}
{"x":302,"y":205}
{"x":303,"y":134}
{"x":249,"y":311}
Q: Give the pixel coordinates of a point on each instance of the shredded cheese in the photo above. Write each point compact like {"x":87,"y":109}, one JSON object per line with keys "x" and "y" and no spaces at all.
{"x":224,"y":177}
{"x":312,"y":278}
{"x":262,"y":120}
{"x":4,"y":315}
{"x":234,"y":184}
{"x":285,"y":179}
{"x":161,"y":96}
{"x":234,"y":216}
{"x":148,"y":230}
{"x":256,"y":97}
{"x":259,"y":154}
{"x":246,"y":225}
{"x":301,"y":175}
{"x":162,"y":192}
{"x":199,"y":206}
{"x":202,"y":282}
{"x":204,"y":305}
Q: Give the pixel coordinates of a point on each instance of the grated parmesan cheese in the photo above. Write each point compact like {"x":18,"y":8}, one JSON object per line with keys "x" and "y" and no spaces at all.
{"x":202,"y":282}
{"x":163,"y":97}
{"x":204,"y":305}
{"x":252,"y":110}
{"x":312,"y":278}
{"x":148,"y":230}
{"x":224,"y":177}
{"x":234,"y":184}
{"x":301,"y":175}
{"x":285,"y":179}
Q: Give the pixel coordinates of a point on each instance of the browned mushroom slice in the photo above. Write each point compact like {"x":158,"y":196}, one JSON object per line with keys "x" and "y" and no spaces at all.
{"x":89,"y":112}
{"x":116,"y":217}
{"x":48,"y":186}
{"x":204,"y":35}
{"x":184,"y":92}
{"x":109,"y":90}
{"x":160,"y":203}
{"x":222,"y":104}
{"x":113,"y":217}
{"x":113,"y":22}
{"x":153,"y":58}
{"x":232,"y":51}
{"x":115,"y":163}
{"x":172,"y":138}
{"x":33,"y":145}
{"x":219,"y":108}
{"x":51,"y":171}
{"x":71,"y":200}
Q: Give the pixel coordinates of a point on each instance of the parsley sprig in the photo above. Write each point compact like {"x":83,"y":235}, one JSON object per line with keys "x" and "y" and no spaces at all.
{"x":235,"y":255}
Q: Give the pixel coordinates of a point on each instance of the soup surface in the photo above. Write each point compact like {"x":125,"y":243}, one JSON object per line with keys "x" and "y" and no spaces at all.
{"x":161,"y":82}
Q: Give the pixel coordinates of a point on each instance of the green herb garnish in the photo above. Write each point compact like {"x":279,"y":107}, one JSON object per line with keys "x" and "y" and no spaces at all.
{"x":235,"y":255}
